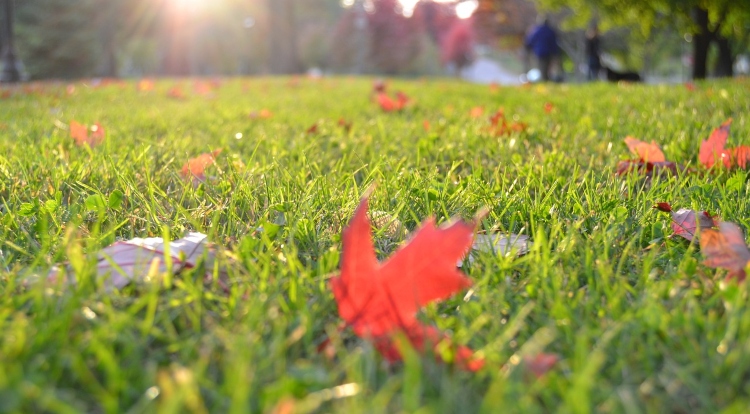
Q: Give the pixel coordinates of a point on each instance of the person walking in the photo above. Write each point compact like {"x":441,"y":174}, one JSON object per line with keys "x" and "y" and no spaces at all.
{"x":543,"y":42}
{"x":593,"y":52}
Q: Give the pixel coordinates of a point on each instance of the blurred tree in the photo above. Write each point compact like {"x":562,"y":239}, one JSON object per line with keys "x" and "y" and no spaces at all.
{"x":56,"y":38}
{"x":283,"y":36}
{"x":457,"y":46}
{"x":726,"y":22}
{"x":395,"y":39}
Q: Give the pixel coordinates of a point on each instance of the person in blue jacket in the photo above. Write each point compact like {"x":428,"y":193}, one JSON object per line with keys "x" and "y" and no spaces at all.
{"x":543,"y":42}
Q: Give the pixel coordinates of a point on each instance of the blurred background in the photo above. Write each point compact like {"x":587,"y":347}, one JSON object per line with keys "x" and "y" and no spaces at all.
{"x":479,"y":40}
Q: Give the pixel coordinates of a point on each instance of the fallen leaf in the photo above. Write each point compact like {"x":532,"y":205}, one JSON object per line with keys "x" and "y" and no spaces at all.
{"x":81,"y":136}
{"x":389,"y":104}
{"x":713,"y":150}
{"x":195,"y":167}
{"x":262,"y":114}
{"x":725,"y":248}
{"x":741,"y":156}
{"x":500,"y":126}
{"x":686,"y":222}
{"x":476,"y":112}
{"x":176,"y":93}
{"x":379,"y":299}
{"x":132,"y":261}
{"x":649,"y":169}
{"x":645,"y":151}
{"x":541,"y":363}
{"x":145,"y":85}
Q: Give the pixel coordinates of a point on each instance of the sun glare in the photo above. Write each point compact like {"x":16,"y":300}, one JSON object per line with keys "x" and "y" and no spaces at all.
{"x":465,"y":9}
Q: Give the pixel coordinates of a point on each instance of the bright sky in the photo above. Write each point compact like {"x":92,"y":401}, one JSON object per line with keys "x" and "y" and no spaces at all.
{"x":464,"y":9}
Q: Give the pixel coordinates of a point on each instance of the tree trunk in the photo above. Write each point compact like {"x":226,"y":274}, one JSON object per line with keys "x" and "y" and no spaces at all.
{"x":283,"y":37}
{"x":701,"y":43}
{"x":725,"y":64}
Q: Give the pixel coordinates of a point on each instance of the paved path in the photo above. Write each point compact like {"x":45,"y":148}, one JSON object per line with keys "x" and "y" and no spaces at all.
{"x":484,"y":70}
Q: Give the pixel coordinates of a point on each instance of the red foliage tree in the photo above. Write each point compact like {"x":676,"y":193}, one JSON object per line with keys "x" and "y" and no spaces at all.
{"x":457,"y":46}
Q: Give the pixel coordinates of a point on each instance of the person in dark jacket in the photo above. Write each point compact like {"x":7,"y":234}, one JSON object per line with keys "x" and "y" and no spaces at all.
{"x":593,"y":52}
{"x":543,"y":42}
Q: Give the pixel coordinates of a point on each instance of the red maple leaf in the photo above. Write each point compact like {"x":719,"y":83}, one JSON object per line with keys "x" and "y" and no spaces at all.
{"x":726,"y":248}
{"x":712,"y":149}
{"x":741,"y":155}
{"x":380,"y":299}
{"x":685,"y":222}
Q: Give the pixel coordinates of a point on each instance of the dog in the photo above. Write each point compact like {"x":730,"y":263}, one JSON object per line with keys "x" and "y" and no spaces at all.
{"x":615,"y":76}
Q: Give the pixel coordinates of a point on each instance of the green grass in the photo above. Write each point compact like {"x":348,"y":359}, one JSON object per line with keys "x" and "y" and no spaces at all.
{"x":639,"y":323}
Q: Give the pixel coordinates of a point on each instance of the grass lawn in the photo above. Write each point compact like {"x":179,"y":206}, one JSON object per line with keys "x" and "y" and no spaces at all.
{"x":638,"y":322}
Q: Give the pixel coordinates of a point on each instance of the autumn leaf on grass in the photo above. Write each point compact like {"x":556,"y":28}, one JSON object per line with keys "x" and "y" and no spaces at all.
{"x":500,"y":126}
{"x":712,"y":149}
{"x":202,"y":88}
{"x":176,"y":93}
{"x":725,"y":248}
{"x":741,"y":156}
{"x":262,"y":114}
{"x":134,"y":260}
{"x":83,"y":135}
{"x":313,"y":129}
{"x":145,"y":85}
{"x":685,"y":222}
{"x":651,"y":160}
{"x":379,"y":300}
{"x":195,"y":167}
{"x":476,"y":112}
{"x":644,"y":151}
{"x":540,"y":363}
{"x":389,"y":104}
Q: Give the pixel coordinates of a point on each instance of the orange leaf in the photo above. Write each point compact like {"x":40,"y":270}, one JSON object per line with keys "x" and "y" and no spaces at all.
{"x":379,"y":299}
{"x":145,"y":85}
{"x":80,"y":134}
{"x":726,"y":248}
{"x":262,"y":114}
{"x":713,"y":150}
{"x":195,"y":167}
{"x":476,"y":112}
{"x":645,"y":151}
